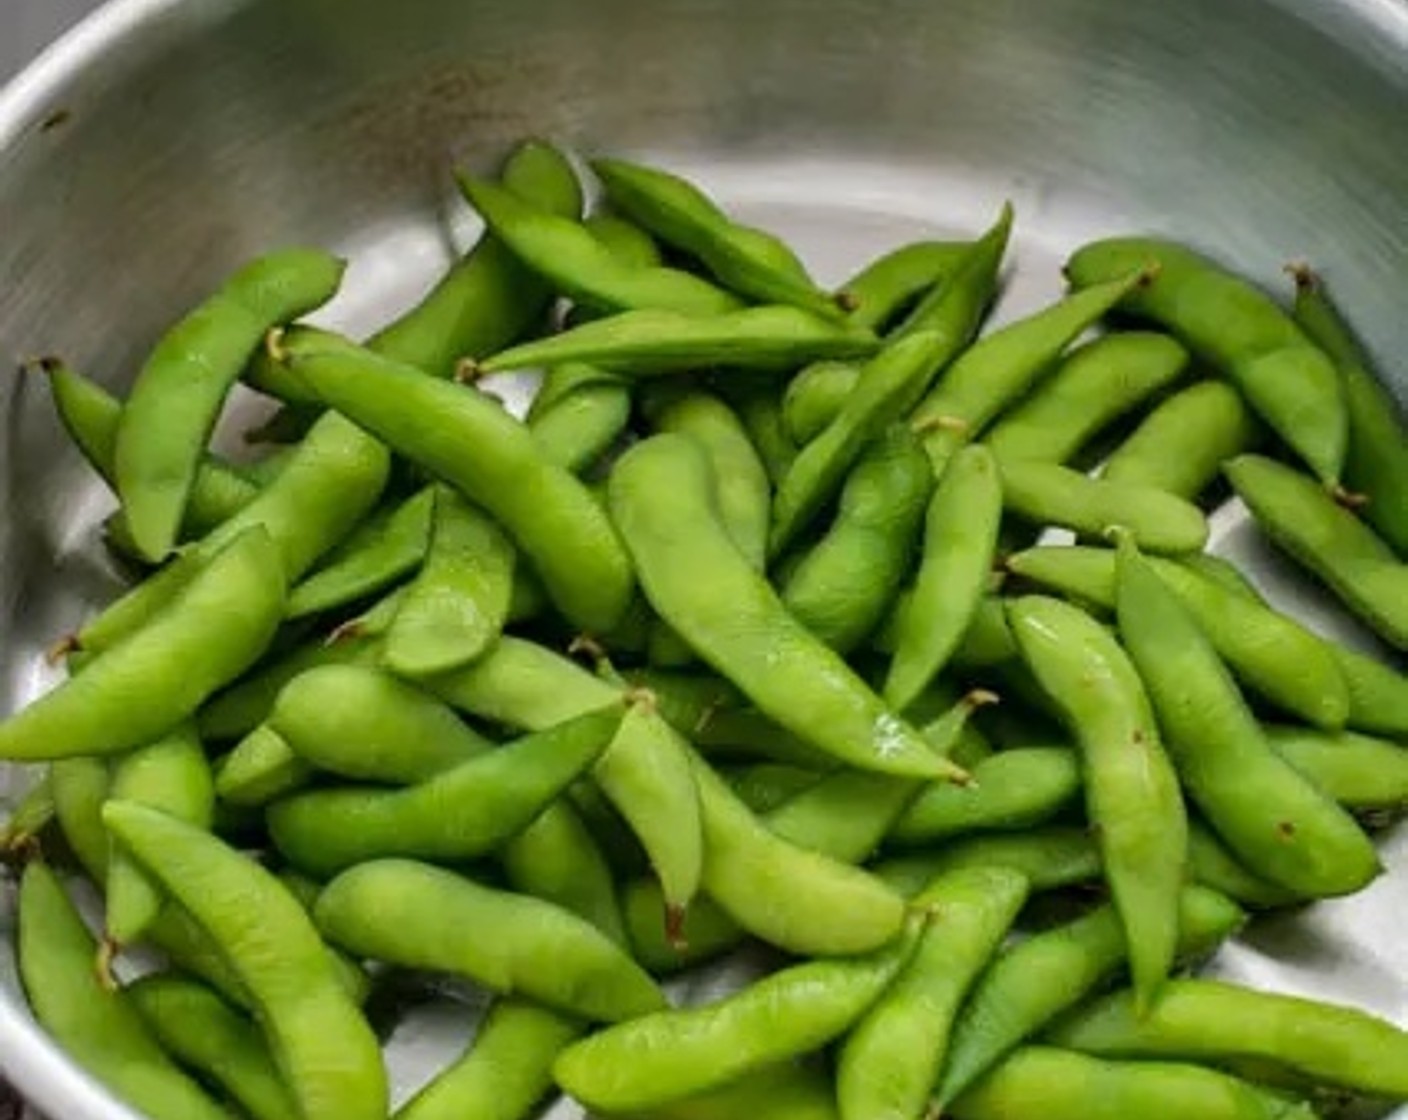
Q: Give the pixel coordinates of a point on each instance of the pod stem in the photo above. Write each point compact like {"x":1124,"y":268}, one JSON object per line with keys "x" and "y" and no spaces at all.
{"x":674,"y":926}
{"x":108,"y":950}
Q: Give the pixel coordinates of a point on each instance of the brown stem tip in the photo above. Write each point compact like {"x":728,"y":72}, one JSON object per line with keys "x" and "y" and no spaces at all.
{"x":66,"y":645}
{"x":274,"y":346}
{"x":467,"y":371}
{"x":1349,"y":499}
{"x":674,"y":927}
{"x":847,"y":301}
{"x":102,"y":966}
{"x":1304,"y":276}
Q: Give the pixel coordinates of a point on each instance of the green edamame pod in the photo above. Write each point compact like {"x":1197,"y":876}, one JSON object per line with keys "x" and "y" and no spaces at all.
{"x":1182,"y":444}
{"x":628,"y":241}
{"x":175,"y":401}
{"x":988,"y":640}
{"x":1000,"y":368}
{"x":28,"y":818}
{"x":1213,"y":866}
{"x":360,"y":723}
{"x":557,"y":859}
{"x":661,"y":502}
{"x":841,"y":588}
{"x":457,"y":606}
{"x":1096,"y":385}
{"x":1222,"y":572}
{"x":792,"y":897}
{"x":1037,"y":1083}
{"x":651,"y":343}
{"x":956,"y":307}
{"x":1050,"y":858}
{"x":261,"y":768}
{"x":751,"y":262}
{"x":647,"y":775}
{"x":887,"y":388}
{"x":1241,"y":331}
{"x":1132,"y":793}
{"x":322,"y":1046}
{"x":1328,"y":540}
{"x":456,"y":815}
{"x":1033,"y":982}
{"x":1217,"y":1023}
{"x":1272,"y":654}
{"x":506,"y":1070}
{"x":1048,"y":494}
{"x":387,"y":546}
{"x":492,"y":460}
{"x":960,"y":541}
{"x":487,"y":300}
{"x":1376,"y":462}
{"x":706,"y":933}
{"x":416,"y":915}
{"x":884,"y":289}
{"x":761,"y":414}
{"x":141,"y":688}
{"x":671,"y":1055}
{"x":786,"y":1091}
{"x":764,"y":786}
{"x":890,"y":1062}
{"x":91,"y":416}
{"x":172,"y":775}
{"x":99,"y":1029}
{"x":80,"y":787}
{"x":1275,"y":821}
{"x":1011,"y":790}
{"x":211,"y":1039}
{"x":589,"y":412}
{"x":740,"y":481}
{"x":577,"y":265}
{"x":848,"y":812}
{"x":1365,"y":775}
{"x":815,"y":397}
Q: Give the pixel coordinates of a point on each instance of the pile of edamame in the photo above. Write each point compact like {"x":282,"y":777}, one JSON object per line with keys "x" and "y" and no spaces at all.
{"x":747,"y":633}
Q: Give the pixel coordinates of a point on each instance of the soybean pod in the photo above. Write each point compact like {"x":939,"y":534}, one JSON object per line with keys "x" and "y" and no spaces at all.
{"x":1241,"y":332}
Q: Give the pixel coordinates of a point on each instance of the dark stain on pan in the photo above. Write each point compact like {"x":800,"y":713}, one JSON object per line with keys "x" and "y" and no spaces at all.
{"x":10,"y":1103}
{"x":55,"y":120}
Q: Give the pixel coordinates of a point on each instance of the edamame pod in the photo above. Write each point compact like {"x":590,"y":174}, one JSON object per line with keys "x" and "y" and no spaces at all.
{"x":1376,"y":462}
{"x":487,"y":299}
{"x":884,"y":289}
{"x":1212,"y":865}
{"x":741,"y":484}
{"x":1033,"y":982}
{"x":1096,"y":385}
{"x":955,"y":309}
{"x":1180,"y":446}
{"x":660,"y":500}
{"x":584,"y":420}
{"x":1241,"y":331}
{"x":1216,"y":1023}
{"x":558,"y":859}
{"x":787,"y":1091}
{"x":841,"y":588}
{"x":172,"y":775}
{"x":1276,"y":822}
{"x":1132,"y":793}
{"x":671,"y":1055}
{"x":650,"y":343}
{"x":751,"y":262}
{"x":456,"y":815}
{"x":797,"y":899}
{"x":647,"y":775}
{"x":1011,"y":790}
{"x":493,"y":460}
{"x":706,"y":933}
{"x":960,"y":540}
{"x":1272,"y":654}
{"x":458,"y":605}
{"x":1327,"y":540}
{"x":141,"y":688}
{"x":815,"y":397}
{"x":98,"y":1028}
{"x":765,"y":786}
{"x":1037,"y":1083}
{"x":1048,"y":494}
{"x":388,"y":545}
{"x":577,"y":265}
{"x":889,"y":1063}
{"x":1050,"y":858}
{"x":175,"y":401}
{"x":506,"y":1070}
{"x":28,"y":818}
{"x":322,"y":1046}
{"x":416,"y":915}
{"x":211,"y":1039}
{"x":1003,"y":366}
{"x":91,"y":416}
{"x":761,"y":414}
{"x":261,"y":768}
{"x":1366,"y":775}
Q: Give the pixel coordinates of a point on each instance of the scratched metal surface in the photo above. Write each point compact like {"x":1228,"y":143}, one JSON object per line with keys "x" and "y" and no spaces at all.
{"x":196,"y":133}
